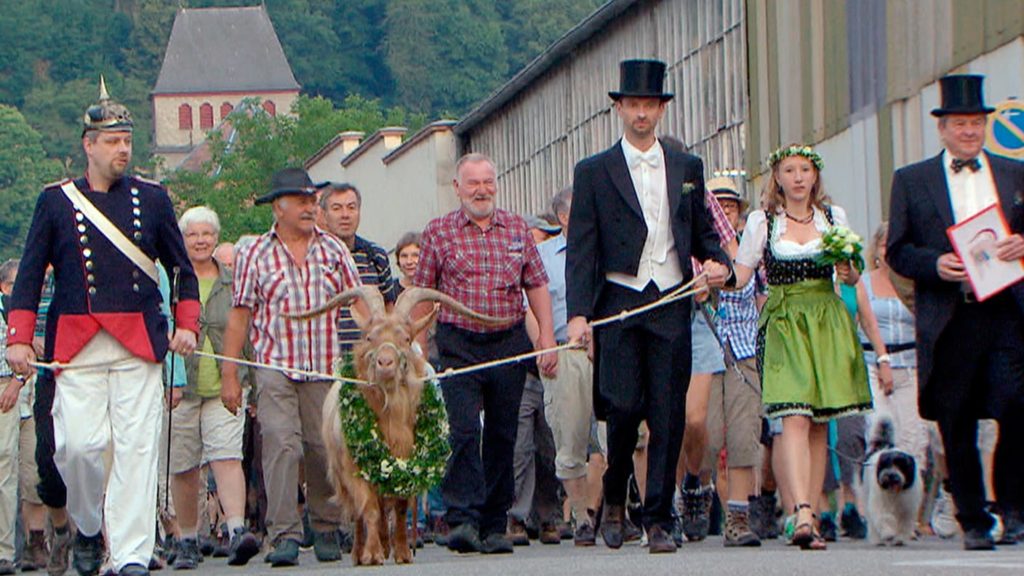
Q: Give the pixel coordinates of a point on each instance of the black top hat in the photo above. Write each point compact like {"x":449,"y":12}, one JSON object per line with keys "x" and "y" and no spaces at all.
{"x":288,"y":181}
{"x":962,"y":94}
{"x":642,"y":79}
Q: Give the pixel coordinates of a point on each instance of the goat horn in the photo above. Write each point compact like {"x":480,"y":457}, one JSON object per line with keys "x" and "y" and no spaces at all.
{"x":413,"y":296}
{"x":369,"y":294}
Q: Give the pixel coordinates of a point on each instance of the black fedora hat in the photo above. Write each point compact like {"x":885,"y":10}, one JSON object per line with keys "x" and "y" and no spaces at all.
{"x":288,"y":181}
{"x":962,"y":94}
{"x":641,"y":79}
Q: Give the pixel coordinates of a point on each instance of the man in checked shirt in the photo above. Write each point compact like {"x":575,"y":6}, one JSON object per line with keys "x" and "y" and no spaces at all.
{"x":293,"y":267}
{"x":485,"y":258}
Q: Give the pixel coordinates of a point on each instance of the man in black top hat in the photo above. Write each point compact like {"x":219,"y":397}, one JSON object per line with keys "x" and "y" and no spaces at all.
{"x":970,"y":353}
{"x":638,"y":216}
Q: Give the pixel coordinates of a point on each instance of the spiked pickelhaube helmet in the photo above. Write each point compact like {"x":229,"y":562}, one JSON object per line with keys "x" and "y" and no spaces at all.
{"x":107,"y":115}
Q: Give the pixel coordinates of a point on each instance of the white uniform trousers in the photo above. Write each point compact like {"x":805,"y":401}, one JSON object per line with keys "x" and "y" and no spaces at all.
{"x":9,"y":431}
{"x":118,"y":405}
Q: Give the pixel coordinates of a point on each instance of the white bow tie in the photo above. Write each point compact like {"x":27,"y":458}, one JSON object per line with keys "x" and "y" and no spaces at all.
{"x":651,"y":158}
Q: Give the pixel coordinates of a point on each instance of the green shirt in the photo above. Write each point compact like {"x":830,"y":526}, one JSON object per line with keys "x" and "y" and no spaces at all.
{"x":208,"y":384}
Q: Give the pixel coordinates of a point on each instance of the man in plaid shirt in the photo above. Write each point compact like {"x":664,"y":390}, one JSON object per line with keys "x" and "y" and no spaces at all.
{"x":485,"y":258}
{"x":293,"y":267}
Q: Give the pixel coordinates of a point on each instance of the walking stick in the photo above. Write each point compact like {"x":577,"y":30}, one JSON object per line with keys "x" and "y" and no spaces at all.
{"x":176,"y":271}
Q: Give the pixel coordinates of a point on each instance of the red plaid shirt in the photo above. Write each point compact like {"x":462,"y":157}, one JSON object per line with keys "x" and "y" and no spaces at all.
{"x":487,"y":270}
{"x":269,"y":282}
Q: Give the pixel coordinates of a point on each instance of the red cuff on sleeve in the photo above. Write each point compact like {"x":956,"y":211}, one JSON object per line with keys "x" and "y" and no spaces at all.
{"x":21,"y":327}
{"x":187,"y":315}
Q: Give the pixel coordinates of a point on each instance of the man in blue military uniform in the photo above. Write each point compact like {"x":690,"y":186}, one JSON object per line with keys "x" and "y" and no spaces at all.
{"x":102,"y":234}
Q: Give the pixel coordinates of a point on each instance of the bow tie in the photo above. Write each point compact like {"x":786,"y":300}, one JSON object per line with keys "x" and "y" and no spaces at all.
{"x":959,"y":165}
{"x":651,"y":158}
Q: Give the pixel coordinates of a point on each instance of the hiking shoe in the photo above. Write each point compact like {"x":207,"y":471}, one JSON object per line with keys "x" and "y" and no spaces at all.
{"x":286,"y":553}
{"x":852,"y":523}
{"x":549,"y":533}
{"x":496,"y":543}
{"x":517,"y":532}
{"x":6,"y":567}
{"x":60,"y":549}
{"x":187,"y":555}
{"x":88,"y":553}
{"x":585,"y":535}
{"x":737,"y":530}
{"x":696,"y":513}
{"x":243,"y":547}
{"x":326,"y":546}
{"x":463,"y":539}
{"x":36,"y":555}
{"x":827,"y":527}
{"x":943,"y":520}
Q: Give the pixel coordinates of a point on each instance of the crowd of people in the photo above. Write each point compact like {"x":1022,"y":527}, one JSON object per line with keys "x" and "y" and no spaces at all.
{"x":702,"y":368}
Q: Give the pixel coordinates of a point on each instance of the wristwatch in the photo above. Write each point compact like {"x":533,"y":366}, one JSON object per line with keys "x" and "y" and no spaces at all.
{"x":883,"y":359}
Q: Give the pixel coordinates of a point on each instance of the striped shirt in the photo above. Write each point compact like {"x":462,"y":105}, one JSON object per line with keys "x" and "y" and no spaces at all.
{"x":268,"y":281}
{"x":485,"y":269}
{"x":374,"y":270}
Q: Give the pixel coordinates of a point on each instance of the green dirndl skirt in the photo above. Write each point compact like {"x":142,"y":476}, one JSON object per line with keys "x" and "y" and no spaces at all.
{"x":809,"y":354}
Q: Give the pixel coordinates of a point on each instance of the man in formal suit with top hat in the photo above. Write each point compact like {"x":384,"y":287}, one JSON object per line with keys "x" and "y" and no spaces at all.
{"x":970,"y":353}
{"x":638,"y":214}
{"x":102,"y":234}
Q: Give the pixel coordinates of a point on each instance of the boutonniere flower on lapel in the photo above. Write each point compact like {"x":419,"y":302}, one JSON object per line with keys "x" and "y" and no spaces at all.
{"x":688,"y":187}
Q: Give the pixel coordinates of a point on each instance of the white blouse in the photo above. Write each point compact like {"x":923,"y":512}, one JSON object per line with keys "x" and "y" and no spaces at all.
{"x":755,"y":236}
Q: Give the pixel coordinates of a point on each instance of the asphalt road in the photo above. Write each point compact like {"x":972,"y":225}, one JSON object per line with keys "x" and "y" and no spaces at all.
{"x":930,"y":556}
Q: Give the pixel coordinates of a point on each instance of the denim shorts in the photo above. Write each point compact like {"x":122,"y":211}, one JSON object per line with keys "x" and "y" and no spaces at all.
{"x":707,"y":354}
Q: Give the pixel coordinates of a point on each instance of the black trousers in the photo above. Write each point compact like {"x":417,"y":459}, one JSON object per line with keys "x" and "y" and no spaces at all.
{"x":643,"y":374}
{"x":479,"y":485}
{"x":980,"y":357}
{"x":51,"y":488}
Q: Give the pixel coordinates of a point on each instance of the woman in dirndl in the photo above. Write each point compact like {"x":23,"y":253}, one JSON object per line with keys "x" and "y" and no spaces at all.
{"x":810,"y":359}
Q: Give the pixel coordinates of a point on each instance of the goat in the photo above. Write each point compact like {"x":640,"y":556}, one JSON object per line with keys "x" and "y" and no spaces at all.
{"x":395,"y":375}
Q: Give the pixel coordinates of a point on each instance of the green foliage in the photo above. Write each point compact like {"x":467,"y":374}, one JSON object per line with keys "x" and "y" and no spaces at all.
{"x":242,"y":163}
{"x":23,"y":169}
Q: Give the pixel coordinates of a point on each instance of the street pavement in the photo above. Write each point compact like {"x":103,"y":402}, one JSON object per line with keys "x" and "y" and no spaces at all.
{"x":930,"y":556}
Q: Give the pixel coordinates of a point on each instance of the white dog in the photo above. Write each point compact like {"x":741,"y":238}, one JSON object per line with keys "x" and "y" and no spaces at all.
{"x":890,"y":486}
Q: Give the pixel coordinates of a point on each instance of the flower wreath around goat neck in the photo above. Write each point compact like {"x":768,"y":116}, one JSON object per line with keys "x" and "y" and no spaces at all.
{"x":390,"y":475}
{"x":797,"y":150}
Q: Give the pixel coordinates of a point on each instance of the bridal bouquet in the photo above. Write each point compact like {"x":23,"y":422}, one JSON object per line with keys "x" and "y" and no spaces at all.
{"x":839,"y":244}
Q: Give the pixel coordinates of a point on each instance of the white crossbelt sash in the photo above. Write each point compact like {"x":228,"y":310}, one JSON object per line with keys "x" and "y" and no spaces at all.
{"x":112,"y":232}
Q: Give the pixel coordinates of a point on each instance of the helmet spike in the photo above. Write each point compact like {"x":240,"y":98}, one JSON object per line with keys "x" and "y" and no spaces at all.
{"x":103,"y":90}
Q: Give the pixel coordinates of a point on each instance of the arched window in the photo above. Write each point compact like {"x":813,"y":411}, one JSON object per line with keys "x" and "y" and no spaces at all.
{"x":184,"y":117}
{"x":225,"y":109}
{"x":270,"y":107}
{"x":206,"y":116}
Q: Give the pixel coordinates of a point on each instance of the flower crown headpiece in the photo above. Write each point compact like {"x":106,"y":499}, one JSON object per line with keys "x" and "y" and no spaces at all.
{"x":796,"y":150}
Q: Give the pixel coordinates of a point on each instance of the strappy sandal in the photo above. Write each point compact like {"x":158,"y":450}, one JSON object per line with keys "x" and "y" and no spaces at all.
{"x":803,"y":533}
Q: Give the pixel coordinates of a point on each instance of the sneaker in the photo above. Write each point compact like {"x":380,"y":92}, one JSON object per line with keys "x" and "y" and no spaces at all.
{"x":242,"y":548}
{"x":696,"y":515}
{"x":852,"y":523}
{"x":326,"y":547}
{"x":186,"y":555}
{"x":286,"y":553}
{"x":36,"y":555}
{"x":496,"y":543}
{"x":88,"y":554}
{"x":737,"y":530}
{"x":827,"y":527}
{"x":585,"y":535}
{"x":463,"y":539}
{"x":6,"y":567}
{"x":60,"y":548}
{"x":943,"y":520}
{"x":517,"y":532}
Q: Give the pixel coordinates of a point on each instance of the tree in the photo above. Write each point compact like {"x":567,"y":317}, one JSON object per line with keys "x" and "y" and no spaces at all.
{"x":24,"y":169}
